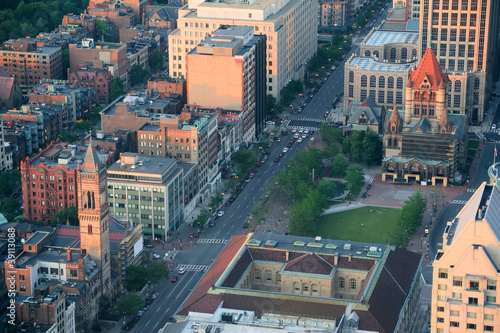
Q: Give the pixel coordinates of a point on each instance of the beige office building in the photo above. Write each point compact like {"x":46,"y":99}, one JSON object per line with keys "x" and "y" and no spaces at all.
{"x":466,"y":275}
{"x":464,"y":37}
{"x":290,"y":27}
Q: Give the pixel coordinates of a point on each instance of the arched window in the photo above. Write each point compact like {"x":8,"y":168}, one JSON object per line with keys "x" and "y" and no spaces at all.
{"x":389,"y":142}
{"x":404,"y":53}
{"x":393,"y":53}
{"x":314,"y":288}
{"x":257,"y":274}
{"x":390,"y":82}
{"x":395,"y":142}
{"x":399,"y":83}
{"x":375,"y":54}
{"x":363,"y":80}
{"x":414,"y":53}
{"x":269,"y":276}
{"x":341,"y":283}
{"x":381,"y":82}
{"x":351,"y":76}
{"x":296,"y":286}
{"x":458,"y":86}
{"x":373,"y":81}
{"x":305,"y":287}
{"x":352,"y":284}
{"x":367,"y":53}
{"x":477,"y":83}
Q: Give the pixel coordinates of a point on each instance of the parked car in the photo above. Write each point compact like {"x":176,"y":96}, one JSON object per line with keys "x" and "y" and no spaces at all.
{"x":285,"y":149}
{"x":140,"y":313}
{"x":182,"y":270}
{"x":155,"y":295}
{"x":284,"y":133}
{"x":174,"y":278}
{"x":276,"y":159}
{"x":220,"y":213}
{"x":146,"y":308}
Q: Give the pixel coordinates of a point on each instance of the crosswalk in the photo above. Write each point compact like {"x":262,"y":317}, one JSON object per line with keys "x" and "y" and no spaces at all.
{"x":212,"y":241}
{"x":459,"y":202}
{"x":472,"y":190}
{"x":309,"y":119}
{"x":193,"y":267}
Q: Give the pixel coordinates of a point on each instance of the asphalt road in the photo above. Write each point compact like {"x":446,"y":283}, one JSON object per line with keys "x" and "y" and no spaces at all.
{"x":214,"y":239}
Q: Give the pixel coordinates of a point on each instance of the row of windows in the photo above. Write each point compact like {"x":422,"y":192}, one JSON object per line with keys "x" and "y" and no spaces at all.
{"x":470,"y":326}
{"x":456,"y":313}
{"x":381,"y":81}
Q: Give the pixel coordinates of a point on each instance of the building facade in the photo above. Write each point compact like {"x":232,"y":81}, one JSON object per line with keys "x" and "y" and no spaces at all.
{"x":465,"y":292}
{"x":99,"y":80}
{"x":148,"y":191}
{"x":426,"y":143}
{"x":29,"y":63}
{"x":290,"y":28}
{"x":333,"y":15}
{"x":223,"y":72}
{"x":464,"y":38}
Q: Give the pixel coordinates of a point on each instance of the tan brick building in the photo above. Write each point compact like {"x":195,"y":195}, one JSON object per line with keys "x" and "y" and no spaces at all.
{"x":464,"y":37}
{"x":29,"y":63}
{"x":333,"y":14}
{"x":112,"y":55}
{"x":290,"y":28}
{"x":465,"y":289}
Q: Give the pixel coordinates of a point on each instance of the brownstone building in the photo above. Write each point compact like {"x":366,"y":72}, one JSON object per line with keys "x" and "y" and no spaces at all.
{"x":29,"y":63}
{"x":99,"y":80}
{"x":169,"y":87}
{"x":117,"y":14}
{"x":11,"y":95}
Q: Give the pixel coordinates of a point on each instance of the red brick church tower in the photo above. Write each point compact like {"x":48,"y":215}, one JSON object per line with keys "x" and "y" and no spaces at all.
{"x":93,"y":213}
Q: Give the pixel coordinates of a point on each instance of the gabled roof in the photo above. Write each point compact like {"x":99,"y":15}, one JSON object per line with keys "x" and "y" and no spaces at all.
{"x":309,"y":264}
{"x":428,"y":68}
{"x":492,"y":215}
{"x":92,"y":162}
{"x":6,"y":84}
{"x":369,"y":108}
{"x":396,"y":119}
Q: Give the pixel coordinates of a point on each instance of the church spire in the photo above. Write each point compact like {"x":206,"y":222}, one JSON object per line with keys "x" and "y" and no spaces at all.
{"x":92,"y":162}
{"x":395,"y":121}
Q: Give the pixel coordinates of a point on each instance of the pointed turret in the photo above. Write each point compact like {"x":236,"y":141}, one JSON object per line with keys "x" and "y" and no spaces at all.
{"x":444,"y":123}
{"x":92,"y":162}
{"x":395,"y":122}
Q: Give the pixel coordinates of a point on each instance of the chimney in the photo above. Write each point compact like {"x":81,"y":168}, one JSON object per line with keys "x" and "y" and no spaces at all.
{"x":336,"y":259}
{"x":287,"y":255}
{"x":68,"y":254}
{"x":350,"y":257}
{"x":480,"y":213}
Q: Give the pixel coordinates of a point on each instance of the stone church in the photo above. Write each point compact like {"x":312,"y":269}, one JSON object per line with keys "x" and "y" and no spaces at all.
{"x":424,"y":142}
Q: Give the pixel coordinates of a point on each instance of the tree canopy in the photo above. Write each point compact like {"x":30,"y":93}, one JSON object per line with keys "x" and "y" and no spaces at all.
{"x":339,"y":165}
{"x":138,"y":75}
{"x":8,"y":180}
{"x":355,"y":178}
{"x":11,"y":209}
{"x":130,"y":304}
{"x":156,"y":271}
{"x":117,"y":89}
{"x":410,"y":219}
{"x":363,"y":147}
{"x":201,"y":219}
{"x":67,"y":215}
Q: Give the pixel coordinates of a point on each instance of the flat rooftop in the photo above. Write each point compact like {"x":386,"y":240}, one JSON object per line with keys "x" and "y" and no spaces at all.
{"x":146,"y":165}
{"x":380,"y":38}
{"x":68,"y":156}
{"x":370,"y":64}
{"x":36,"y":238}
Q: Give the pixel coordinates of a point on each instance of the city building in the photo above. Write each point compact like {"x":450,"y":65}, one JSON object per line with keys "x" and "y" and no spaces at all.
{"x":49,"y":181}
{"x":465,"y":292}
{"x":162,"y":16}
{"x":333,"y":15}
{"x":227,"y":71}
{"x":52,"y":313}
{"x":384,"y":82}
{"x":330,"y":283}
{"x":148,"y":191}
{"x":28,"y":63}
{"x":97,"y":79}
{"x":133,"y":111}
{"x":390,"y":46}
{"x":290,"y":28}
{"x":168,"y":87}
{"x":6,"y":162}
{"x":77,"y":99}
{"x":191,"y":137}
{"x":464,"y":38}
{"x":425,"y":143}
{"x":137,"y":6}
{"x":100,"y":55}
{"x":11,"y":95}
{"x":363,"y":116}
{"x":117,"y":15}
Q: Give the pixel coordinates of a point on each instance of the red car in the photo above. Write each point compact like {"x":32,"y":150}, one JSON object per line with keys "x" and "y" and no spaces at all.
{"x":259,"y":164}
{"x":289,"y":144}
{"x":277,"y":159}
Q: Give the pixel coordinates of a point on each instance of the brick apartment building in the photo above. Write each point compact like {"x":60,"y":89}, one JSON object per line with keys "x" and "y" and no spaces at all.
{"x":11,"y":95}
{"x":117,"y":14}
{"x":97,"y":79}
{"x":169,"y":87}
{"x":137,"y":6}
{"x":29,"y":63}
{"x":100,"y":55}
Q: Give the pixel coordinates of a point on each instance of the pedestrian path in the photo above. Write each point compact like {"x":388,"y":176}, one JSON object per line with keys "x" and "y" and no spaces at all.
{"x":459,"y":202}
{"x":193,"y":267}
{"x":472,"y":190}
{"x":212,"y":241}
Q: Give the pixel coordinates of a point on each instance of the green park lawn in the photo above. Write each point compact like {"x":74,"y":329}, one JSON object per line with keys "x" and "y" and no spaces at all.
{"x":347,"y":225}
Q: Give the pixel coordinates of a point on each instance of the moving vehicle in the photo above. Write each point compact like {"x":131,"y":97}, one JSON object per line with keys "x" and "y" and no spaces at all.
{"x":174,"y":278}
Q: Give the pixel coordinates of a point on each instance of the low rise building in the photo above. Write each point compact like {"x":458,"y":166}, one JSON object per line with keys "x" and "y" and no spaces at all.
{"x":11,"y":95}
{"x":332,"y":284}
{"x":97,"y":79}
{"x":333,"y":15}
{"x":162,"y":16}
{"x":365,"y":116}
{"x":169,"y":87}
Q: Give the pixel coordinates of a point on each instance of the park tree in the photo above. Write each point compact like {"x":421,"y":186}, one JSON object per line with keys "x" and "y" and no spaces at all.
{"x":138,"y":75}
{"x":156,"y":271}
{"x":330,"y":134}
{"x":330,"y":151}
{"x":135,"y":278}
{"x":305,"y":214}
{"x":339,"y":165}
{"x":68,"y":216}
{"x":310,"y":158}
{"x":117,"y":89}
{"x":11,"y":209}
{"x":130,"y":304}
{"x":355,"y":178}
{"x":410,"y":219}
{"x":295,"y":182}
{"x":372,"y":148}
{"x":327,"y":188}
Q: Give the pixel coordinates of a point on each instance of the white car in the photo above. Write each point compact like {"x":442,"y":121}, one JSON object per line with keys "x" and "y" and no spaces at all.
{"x":296,"y":136}
{"x":301,"y":130}
{"x":156,"y":256}
{"x":155,"y":295}
{"x":299,"y":140}
{"x":304,"y":136}
{"x":285,"y":149}
{"x":220,"y":213}
{"x":494,"y":126}
{"x":294,"y":130}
